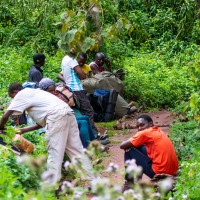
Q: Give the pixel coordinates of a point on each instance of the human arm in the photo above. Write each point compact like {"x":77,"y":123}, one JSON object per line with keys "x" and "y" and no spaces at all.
{"x":61,"y":77}
{"x":94,"y":69}
{"x":126,"y":145}
{"x":107,"y":61}
{"x":81,"y":74}
{"x":90,"y":74}
{"x":29,"y":128}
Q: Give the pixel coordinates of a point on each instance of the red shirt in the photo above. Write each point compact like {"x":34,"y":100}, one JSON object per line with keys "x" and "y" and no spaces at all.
{"x":159,"y":149}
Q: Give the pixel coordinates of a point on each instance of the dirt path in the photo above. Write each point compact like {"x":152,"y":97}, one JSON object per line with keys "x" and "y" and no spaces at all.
{"x":163,"y":119}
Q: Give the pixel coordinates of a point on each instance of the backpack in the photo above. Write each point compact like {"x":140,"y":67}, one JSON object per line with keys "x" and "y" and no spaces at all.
{"x":65,"y":94}
{"x":103,"y":103}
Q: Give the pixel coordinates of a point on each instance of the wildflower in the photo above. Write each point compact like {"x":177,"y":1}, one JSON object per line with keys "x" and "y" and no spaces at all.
{"x":47,"y":176}
{"x":157,"y":194}
{"x":76,"y":161}
{"x":117,"y":188}
{"x":132,"y":168}
{"x":184,"y":196}
{"x":112,"y":167}
{"x":129,"y":192}
{"x":67,"y":164}
{"x":77,"y":195}
{"x":99,"y":182}
{"x":95,"y":198}
{"x":166,"y":185}
{"x":137,"y":196}
{"x":66,"y":185}
{"x":138,"y":170}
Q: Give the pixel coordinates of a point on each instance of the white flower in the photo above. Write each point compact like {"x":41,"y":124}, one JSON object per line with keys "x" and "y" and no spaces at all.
{"x":138,"y":170}
{"x":67,"y":164}
{"x":117,"y":188}
{"x":130,"y":192}
{"x":157,"y":194}
{"x":66,"y":185}
{"x":77,"y":195}
{"x":48,"y":176}
{"x":99,"y":182}
{"x":95,"y":198}
{"x":166,"y":184}
{"x":184,"y":196}
{"x":137,"y":196}
{"x":112,"y":167}
{"x":76,"y":161}
{"x":131,"y":166}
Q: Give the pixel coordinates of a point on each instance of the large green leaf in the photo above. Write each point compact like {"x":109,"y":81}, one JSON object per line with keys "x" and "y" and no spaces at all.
{"x":88,"y":43}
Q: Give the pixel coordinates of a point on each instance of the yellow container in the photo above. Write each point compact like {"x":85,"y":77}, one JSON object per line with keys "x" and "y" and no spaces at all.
{"x":23,"y":144}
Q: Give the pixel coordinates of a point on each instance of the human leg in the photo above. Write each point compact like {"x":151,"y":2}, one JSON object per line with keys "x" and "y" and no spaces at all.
{"x":86,"y":109}
{"x":142,"y":159}
{"x":74,"y":146}
{"x":84,"y":133}
{"x":90,"y":131}
{"x":56,"y":139}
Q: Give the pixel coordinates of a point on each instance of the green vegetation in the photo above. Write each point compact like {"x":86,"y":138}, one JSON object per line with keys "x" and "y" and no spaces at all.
{"x":155,"y":42}
{"x":185,"y":137}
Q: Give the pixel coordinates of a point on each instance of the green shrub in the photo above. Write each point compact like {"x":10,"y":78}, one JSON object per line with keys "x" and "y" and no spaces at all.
{"x":151,"y":83}
{"x":185,"y":137}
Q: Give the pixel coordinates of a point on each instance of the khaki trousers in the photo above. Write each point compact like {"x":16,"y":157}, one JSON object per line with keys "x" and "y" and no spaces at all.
{"x":62,"y":136}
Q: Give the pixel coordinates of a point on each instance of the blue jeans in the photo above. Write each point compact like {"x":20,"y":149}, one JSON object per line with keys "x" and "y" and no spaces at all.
{"x":86,"y":132}
{"x":142,"y":159}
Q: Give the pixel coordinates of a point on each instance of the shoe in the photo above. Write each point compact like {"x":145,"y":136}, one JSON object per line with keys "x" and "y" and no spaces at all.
{"x":102,"y":137}
{"x":104,"y":142}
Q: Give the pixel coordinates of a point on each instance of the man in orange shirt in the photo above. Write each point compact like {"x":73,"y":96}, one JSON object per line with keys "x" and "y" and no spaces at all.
{"x":151,"y":148}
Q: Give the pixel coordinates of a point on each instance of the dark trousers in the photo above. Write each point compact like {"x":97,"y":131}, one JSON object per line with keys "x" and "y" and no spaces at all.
{"x":86,"y":109}
{"x":142,"y":159}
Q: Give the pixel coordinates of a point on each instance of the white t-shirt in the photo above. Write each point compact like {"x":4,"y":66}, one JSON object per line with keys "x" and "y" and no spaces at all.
{"x":40,"y":105}
{"x":71,"y":78}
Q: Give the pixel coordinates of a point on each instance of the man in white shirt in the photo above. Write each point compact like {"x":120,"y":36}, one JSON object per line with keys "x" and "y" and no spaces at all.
{"x":62,"y":133}
{"x":73,"y":74}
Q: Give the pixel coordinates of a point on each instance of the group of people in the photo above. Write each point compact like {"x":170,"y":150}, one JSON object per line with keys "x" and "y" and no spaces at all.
{"x":70,"y":128}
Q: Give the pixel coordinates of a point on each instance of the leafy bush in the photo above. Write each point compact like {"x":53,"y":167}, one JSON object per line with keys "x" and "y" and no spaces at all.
{"x":16,"y":177}
{"x":185,"y":137}
{"x":150,"y":82}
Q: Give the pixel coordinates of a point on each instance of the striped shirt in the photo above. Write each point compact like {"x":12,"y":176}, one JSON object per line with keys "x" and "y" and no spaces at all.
{"x":71,"y":78}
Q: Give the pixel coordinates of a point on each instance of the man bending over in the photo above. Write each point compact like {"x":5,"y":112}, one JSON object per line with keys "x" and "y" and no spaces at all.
{"x":62,"y":133}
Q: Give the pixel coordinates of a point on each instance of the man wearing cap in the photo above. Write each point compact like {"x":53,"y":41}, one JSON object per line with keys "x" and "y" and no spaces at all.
{"x":36,"y":73}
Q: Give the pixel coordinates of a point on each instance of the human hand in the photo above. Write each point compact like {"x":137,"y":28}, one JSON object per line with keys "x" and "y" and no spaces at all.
{"x":20,"y":131}
{"x":107,"y":61}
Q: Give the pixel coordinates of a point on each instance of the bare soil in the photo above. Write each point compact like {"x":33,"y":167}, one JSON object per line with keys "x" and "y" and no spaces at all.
{"x":163,"y":119}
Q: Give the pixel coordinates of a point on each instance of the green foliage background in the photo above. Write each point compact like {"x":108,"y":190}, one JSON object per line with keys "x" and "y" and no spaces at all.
{"x":155,"y":42}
